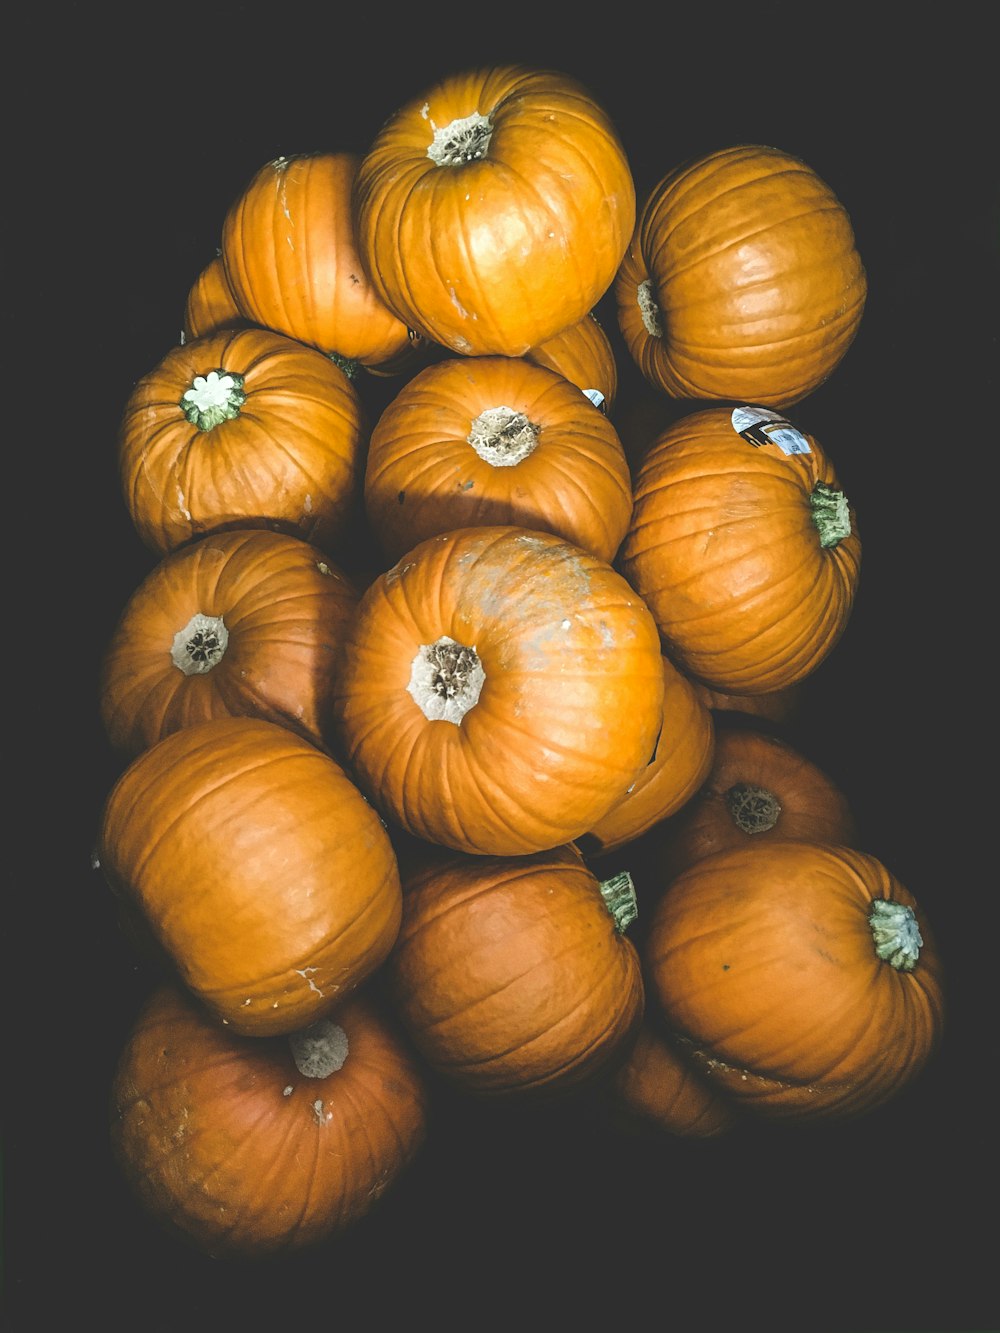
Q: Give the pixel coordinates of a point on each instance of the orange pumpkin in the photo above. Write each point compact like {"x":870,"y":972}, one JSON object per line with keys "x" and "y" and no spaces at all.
{"x":237,"y":624}
{"x":742,"y":279}
{"x":247,"y":1147}
{"x":501,"y":689}
{"x":744,"y":547}
{"x":759,"y":789}
{"x":801,"y":978}
{"x":777,"y":706}
{"x":656,"y":1089}
{"x":495,"y":440}
{"x":513,"y":975}
{"x":259,"y":868}
{"x":493,"y":209}
{"x":681,"y":764}
{"x":241,"y":428}
{"x":211,"y":305}
{"x":292,"y":262}
{"x":582,"y":354}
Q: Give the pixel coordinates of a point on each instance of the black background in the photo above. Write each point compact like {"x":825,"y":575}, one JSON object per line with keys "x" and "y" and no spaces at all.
{"x":128,"y":137}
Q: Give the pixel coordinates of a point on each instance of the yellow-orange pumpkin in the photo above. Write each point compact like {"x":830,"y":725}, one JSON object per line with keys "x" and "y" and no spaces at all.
{"x":582,"y":354}
{"x":211,"y":305}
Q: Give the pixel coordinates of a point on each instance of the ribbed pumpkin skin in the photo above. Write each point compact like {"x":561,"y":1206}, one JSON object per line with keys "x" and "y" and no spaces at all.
{"x":502,"y":250}
{"x":751,"y":264}
{"x":284,"y":607}
{"x":568,"y":712}
{"x":778,"y":706}
{"x":259,"y":867}
{"x":656,"y":1087}
{"x":810,"y":806}
{"x":762,"y":962}
{"x":683,"y":759}
{"x":723,"y":547}
{"x":510,"y":975}
{"x":226,"y":1143}
{"x":439,"y":458}
{"x":211,"y":305}
{"x":290,"y":459}
{"x":582,"y":354}
{"x":292,"y":262}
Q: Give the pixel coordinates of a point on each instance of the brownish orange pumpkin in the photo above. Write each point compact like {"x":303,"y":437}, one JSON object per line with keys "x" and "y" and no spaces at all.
{"x":742,"y":279}
{"x":494,"y":208}
{"x":249,"y":1147}
{"x":242,"y":428}
{"x":237,"y":624}
{"x":777,"y":706}
{"x":211,"y":305}
{"x":681,"y":764}
{"x":656,"y":1088}
{"x":259,"y":868}
{"x":500,"y":690}
{"x":292,"y":262}
{"x":801,"y":978}
{"x":495,"y":440}
{"x":745,"y":548}
{"x":759,"y":789}
{"x":582,"y":354}
{"x":513,"y":975}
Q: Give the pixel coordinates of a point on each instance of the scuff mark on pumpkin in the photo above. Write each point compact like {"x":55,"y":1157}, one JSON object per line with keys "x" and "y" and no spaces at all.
{"x":304,"y":973}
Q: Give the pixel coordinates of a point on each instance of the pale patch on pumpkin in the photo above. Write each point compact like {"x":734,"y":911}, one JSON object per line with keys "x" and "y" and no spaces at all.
{"x":304,"y":973}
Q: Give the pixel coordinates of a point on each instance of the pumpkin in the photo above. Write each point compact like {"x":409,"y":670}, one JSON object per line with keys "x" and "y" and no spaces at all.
{"x":500,"y":690}
{"x":259,"y":867}
{"x":292,"y":262}
{"x":777,"y":707}
{"x":759,"y":789}
{"x":237,"y":624}
{"x":656,"y":1089}
{"x":801,"y":978}
{"x":241,"y":428}
{"x":742,"y":279}
{"x":246,"y":1147}
{"x":513,"y":975}
{"x":211,"y":305}
{"x":744,"y":547}
{"x":495,"y":440}
{"x":681,"y":764}
{"x":582,"y":354}
{"x":493,"y":209}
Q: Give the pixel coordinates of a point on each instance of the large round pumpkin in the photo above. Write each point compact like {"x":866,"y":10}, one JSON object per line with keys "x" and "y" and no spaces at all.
{"x":495,"y":440}
{"x":241,"y":428}
{"x":237,"y":624}
{"x":246,"y":1147}
{"x":259,"y":867}
{"x":513,"y":975}
{"x":745,"y":548}
{"x":742,"y":279}
{"x":801,"y":978}
{"x":292,"y":262}
{"x":501,"y":689}
{"x":582,"y":354}
{"x":493,"y":209}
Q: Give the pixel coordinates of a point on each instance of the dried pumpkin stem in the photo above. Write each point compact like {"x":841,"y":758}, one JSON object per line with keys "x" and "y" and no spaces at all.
{"x":503,"y":437}
{"x":618,"y":893}
{"x":446,"y":678}
{"x":896,"y":934}
{"x":461,"y":141}
{"x":319,"y":1049}
{"x":200,"y":645}
{"x":830,"y":513}
{"x":753,"y":809}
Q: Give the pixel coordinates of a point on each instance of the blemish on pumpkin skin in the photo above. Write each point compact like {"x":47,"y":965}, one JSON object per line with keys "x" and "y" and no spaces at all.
{"x":304,"y":973}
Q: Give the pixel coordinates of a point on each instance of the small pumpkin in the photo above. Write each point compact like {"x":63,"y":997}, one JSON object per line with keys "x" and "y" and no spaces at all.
{"x":801,"y":978}
{"x":742,"y":279}
{"x":759,"y":789}
{"x":292,"y":262}
{"x":495,"y":440}
{"x":494,"y":208}
{"x":241,"y":428}
{"x":249,"y":1147}
{"x":683,"y":759}
{"x":211,"y":305}
{"x":744,"y":546}
{"x":582,"y":354}
{"x":656,"y":1089}
{"x":237,"y":624}
{"x":259,"y":867}
{"x":500,"y":690}
{"x":513,"y":975}
{"x":777,"y":707}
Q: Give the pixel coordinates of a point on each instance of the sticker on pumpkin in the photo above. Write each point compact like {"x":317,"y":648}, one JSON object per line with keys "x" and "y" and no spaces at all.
{"x":759,"y":425}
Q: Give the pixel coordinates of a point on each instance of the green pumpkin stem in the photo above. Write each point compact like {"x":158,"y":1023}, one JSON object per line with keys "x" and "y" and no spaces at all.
{"x":896,"y":934}
{"x":830,"y":513}
{"x":618,"y":893}
{"x":213,"y":398}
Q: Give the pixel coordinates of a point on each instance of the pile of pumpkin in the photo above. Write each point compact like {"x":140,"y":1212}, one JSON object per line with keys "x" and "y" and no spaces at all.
{"x":398,"y":690}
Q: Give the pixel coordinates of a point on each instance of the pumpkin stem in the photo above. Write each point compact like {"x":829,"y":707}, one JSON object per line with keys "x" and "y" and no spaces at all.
{"x":200,"y":645}
{"x":461,"y":141}
{"x":896,"y":934}
{"x":445,"y":680}
{"x":319,"y":1049}
{"x":649,"y":310}
{"x":352,"y":369}
{"x":618,"y":893}
{"x":830,"y":513}
{"x":213,"y":398}
{"x":502,"y":436}
{"x":753,"y":809}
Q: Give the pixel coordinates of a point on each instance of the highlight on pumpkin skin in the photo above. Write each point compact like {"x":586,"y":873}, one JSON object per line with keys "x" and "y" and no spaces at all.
{"x":246,"y":1147}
